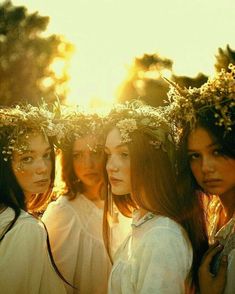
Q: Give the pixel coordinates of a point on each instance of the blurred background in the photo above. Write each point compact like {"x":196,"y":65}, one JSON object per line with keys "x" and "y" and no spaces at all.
{"x":96,"y":52}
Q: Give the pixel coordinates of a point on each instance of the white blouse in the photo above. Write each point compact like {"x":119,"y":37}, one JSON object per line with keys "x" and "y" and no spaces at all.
{"x":155,"y":258}
{"x":226,"y":236}
{"x":75,"y":230}
{"x":25,"y":266}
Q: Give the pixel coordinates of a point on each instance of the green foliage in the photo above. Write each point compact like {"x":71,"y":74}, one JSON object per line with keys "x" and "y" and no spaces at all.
{"x":224,"y":58}
{"x":144,"y":80}
{"x":26,"y":57}
{"x":184,"y":81}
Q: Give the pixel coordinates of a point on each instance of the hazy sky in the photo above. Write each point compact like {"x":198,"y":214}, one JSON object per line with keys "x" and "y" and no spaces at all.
{"x":108,"y":35}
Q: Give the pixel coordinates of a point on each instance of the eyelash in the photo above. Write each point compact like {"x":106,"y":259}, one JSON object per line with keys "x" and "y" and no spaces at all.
{"x":29,"y":159}
{"x":215,"y":152}
{"x":124,"y":155}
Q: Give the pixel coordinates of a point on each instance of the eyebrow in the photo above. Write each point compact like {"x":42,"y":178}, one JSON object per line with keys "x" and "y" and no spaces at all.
{"x":208,"y":146}
{"x":118,"y":146}
{"x":33,"y":151}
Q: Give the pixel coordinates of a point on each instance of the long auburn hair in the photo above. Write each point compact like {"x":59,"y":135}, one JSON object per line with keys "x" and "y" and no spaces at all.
{"x":155,"y":188}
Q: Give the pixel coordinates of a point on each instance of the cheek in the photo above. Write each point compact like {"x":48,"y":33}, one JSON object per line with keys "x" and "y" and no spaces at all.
{"x":196,"y":170}
{"x":99,"y":164}
{"x":227,"y":167}
{"x":24,"y":178}
{"x":77,"y":167}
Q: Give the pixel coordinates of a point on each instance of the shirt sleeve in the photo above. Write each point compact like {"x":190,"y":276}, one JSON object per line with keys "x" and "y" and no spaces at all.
{"x":162,"y":263}
{"x":230,"y":283}
{"x":25,"y":266}
{"x":61,"y":224}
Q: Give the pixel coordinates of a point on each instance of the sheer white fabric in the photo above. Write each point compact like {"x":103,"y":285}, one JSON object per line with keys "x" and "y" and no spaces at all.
{"x":226,"y":236}
{"x":75,"y":230}
{"x":155,"y":258}
{"x":25,"y":266}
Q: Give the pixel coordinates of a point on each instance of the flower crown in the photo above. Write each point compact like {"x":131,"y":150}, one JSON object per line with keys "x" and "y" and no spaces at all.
{"x":135,"y":116}
{"x":217,"y":95}
{"x":78,"y":124}
{"x":16,"y":123}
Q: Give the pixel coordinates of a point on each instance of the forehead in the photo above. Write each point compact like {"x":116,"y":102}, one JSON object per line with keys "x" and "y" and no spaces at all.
{"x":113,"y":138}
{"x":33,"y":142}
{"x":199,"y":138}
{"x":86,"y":143}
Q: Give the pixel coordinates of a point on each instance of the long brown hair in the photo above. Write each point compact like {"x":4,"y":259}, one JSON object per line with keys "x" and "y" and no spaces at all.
{"x":155,"y":188}
{"x":68,"y":176}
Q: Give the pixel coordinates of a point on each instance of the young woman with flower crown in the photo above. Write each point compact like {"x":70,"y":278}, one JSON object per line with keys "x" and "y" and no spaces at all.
{"x":74,"y":220}
{"x":162,"y":253}
{"x":26,"y":170}
{"x":207,"y":161}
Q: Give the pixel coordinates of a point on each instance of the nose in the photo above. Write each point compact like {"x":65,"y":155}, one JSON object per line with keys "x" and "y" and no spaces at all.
{"x":41,"y":166}
{"x":111,"y":164}
{"x":207,"y":165}
{"x":88,"y":161}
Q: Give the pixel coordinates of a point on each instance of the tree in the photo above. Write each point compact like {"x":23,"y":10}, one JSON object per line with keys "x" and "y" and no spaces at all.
{"x":144,"y":80}
{"x":187,"y":82}
{"x":224,"y":57}
{"x":27,"y":57}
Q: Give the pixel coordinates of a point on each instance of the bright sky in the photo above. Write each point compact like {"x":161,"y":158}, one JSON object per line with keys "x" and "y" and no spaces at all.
{"x":109,"y":34}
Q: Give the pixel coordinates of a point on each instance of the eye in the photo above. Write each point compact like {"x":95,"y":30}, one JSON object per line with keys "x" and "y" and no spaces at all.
{"x":77,"y":155}
{"x":96,"y":153}
{"x":124,"y":154}
{"x":218,"y":152}
{"x":26,"y":159}
{"x":193,"y":156}
{"x":47,"y":155}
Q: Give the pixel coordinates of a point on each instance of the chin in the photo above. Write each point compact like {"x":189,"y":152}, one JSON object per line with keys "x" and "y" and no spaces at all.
{"x":119,"y":192}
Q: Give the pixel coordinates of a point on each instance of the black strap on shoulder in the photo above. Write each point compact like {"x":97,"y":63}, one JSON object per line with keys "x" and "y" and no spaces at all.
{"x":52,"y":259}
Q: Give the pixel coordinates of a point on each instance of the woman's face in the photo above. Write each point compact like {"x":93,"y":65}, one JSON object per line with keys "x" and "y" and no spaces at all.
{"x":87,"y":161}
{"x":118,"y":163}
{"x":33,"y":166}
{"x":213,"y":171}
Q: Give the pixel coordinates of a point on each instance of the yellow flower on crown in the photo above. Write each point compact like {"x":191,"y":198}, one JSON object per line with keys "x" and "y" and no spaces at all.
{"x":216,"y":95}
{"x":135,"y":116}
{"x":17,"y":122}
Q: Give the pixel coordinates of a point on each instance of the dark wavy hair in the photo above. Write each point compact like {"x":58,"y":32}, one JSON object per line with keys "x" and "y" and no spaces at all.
{"x":187,"y":184}
{"x":11,"y":193}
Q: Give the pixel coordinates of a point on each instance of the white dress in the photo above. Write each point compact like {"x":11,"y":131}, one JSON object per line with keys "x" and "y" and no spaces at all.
{"x":155,"y":258}
{"x":75,"y":230}
{"x":25,"y":266}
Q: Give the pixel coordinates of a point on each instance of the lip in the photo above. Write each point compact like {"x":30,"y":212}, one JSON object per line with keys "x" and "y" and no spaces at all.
{"x":114,"y":180}
{"x":211,"y":182}
{"x":208,"y":181}
{"x":43,"y":181}
{"x":90,"y":174}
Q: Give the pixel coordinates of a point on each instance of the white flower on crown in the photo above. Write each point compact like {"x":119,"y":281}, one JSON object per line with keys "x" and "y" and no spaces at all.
{"x":126,"y":126}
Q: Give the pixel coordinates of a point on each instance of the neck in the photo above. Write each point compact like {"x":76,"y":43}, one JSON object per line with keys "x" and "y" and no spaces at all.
{"x":228,"y":202}
{"x":93,"y":192}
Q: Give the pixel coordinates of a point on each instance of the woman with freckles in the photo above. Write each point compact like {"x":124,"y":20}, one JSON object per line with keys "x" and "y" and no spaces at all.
{"x":26,"y":172}
{"x":207,"y":167}
{"x":161,"y":255}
